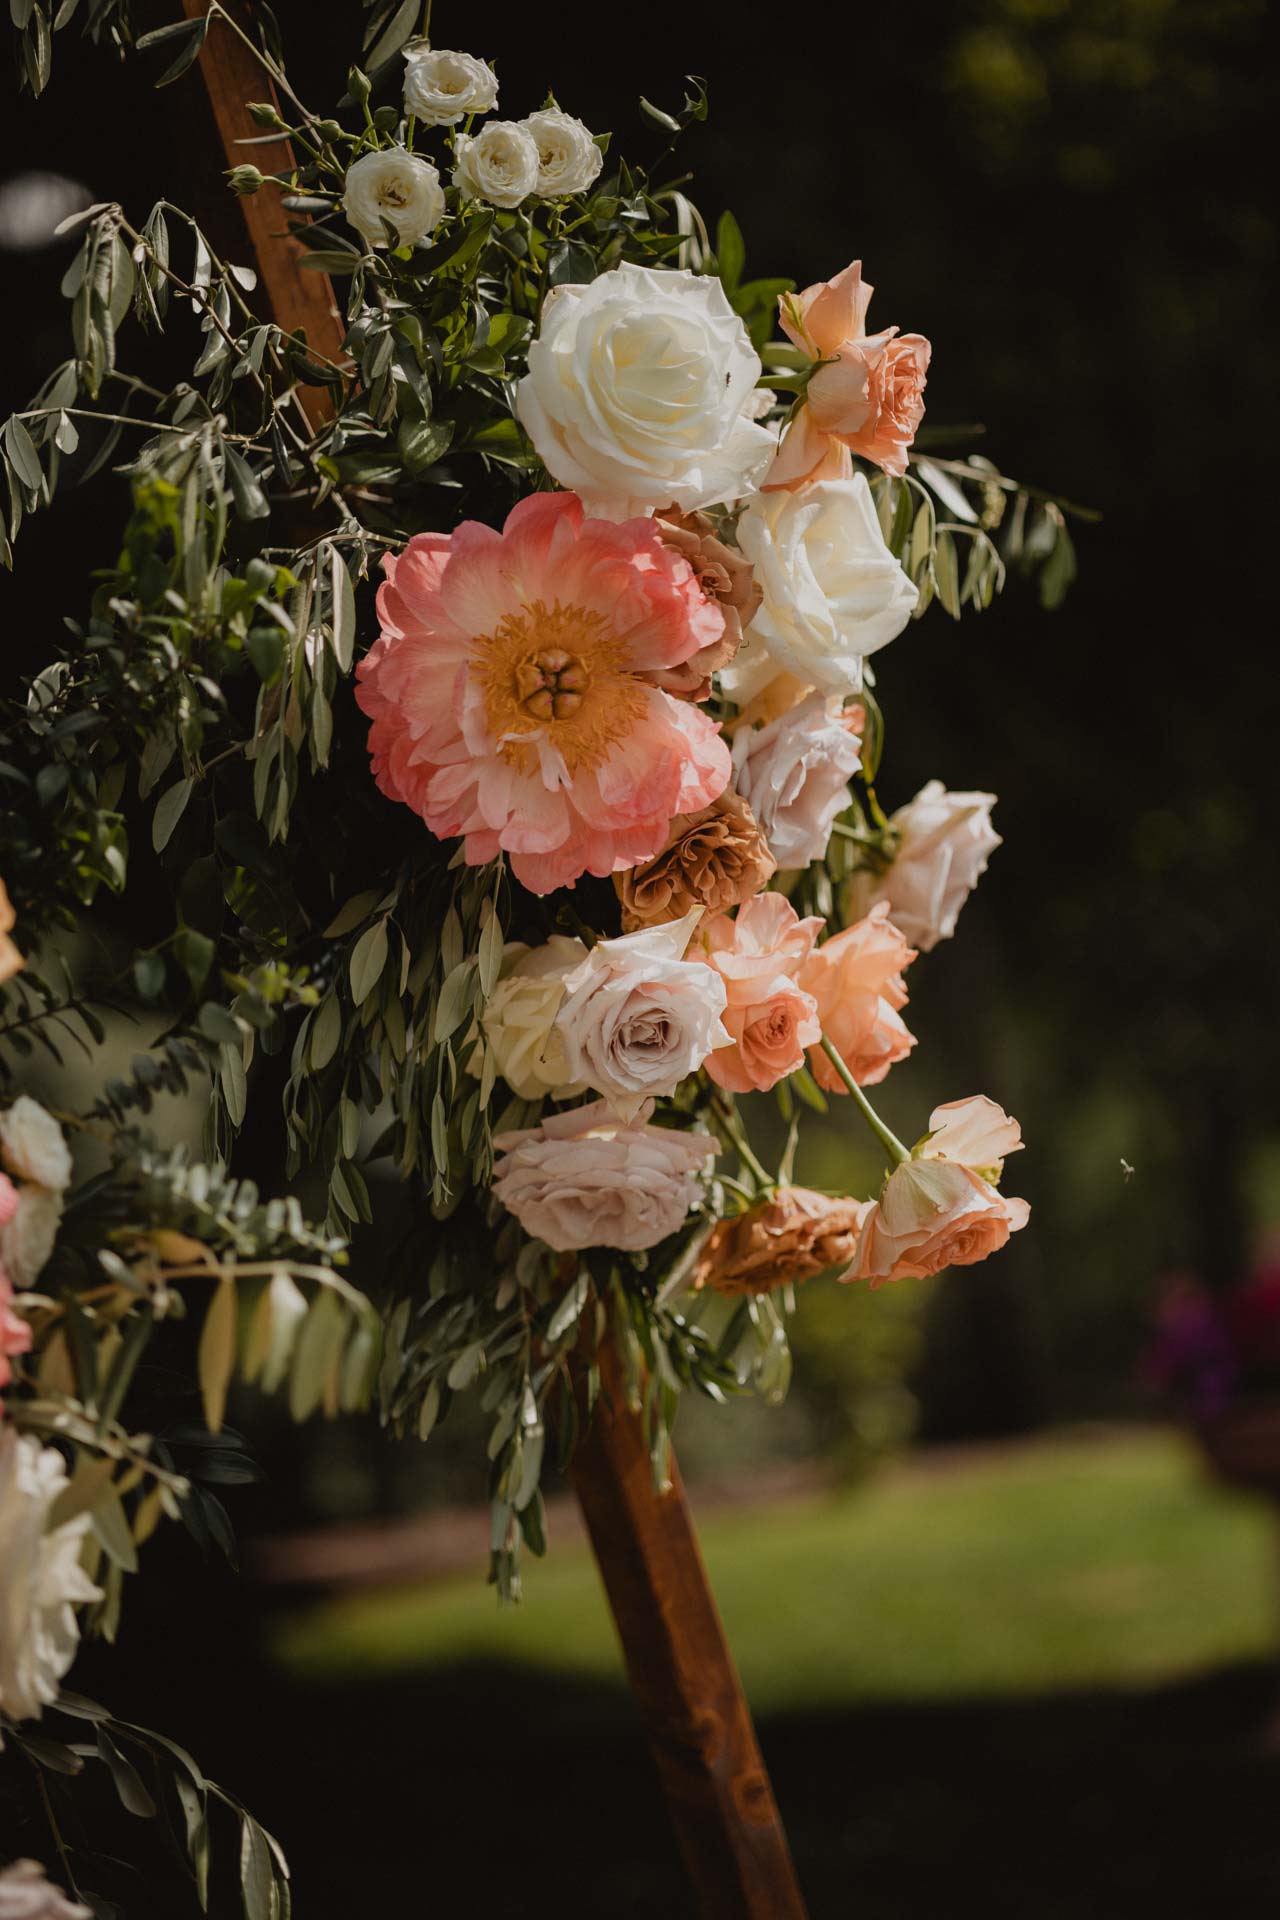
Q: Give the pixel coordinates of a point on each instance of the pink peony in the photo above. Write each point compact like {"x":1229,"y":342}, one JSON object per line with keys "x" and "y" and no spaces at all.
{"x":856,"y":979}
{"x":770,"y":1018}
{"x":866,"y":400}
{"x":511,"y":690}
{"x":584,"y":1179}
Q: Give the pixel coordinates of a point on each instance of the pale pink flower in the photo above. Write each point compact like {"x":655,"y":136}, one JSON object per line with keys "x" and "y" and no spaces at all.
{"x":794,"y":774}
{"x":867,"y":401}
{"x":941,"y":1208}
{"x":510,"y":695}
{"x":15,"y":1334}
{"x":856,"y":979}
{"x":637,"y":1018}
{"x":944,"y":842}
{"x":584,"y":1179}
{"x":770,"y":1018}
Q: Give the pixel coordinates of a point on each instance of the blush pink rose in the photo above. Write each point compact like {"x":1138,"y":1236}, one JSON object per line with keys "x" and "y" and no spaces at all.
{"x":510,"y":690}
{"x":770,"y":1019}
{"x":866,"y":400}
{"x":584,"y":1179}
{"x":932,"y":1215}
{"x":856,"y":979}
{"x":15,"y":1334}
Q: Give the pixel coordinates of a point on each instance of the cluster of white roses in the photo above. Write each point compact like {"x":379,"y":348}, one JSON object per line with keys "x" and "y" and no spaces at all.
{"x":549,"y":154}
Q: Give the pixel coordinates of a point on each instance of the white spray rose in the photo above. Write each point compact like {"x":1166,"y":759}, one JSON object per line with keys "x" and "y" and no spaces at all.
{"x":499,"y":164}
{"x":638,"y":391}
{"x":396,"y":186}
{"x":582,"y":1179}
{"x":568,"y":158}
{"x":25,"y":1894}
{"x":442,"y":87}
{"x":794,"y":773}
{"x":946,"y":839}
{"x":519,"y":1018}
{"x":26,"y":1240}
{"x":32,"y":1146}
{"x":833,"y":592}
{"x":43,"y":1580}
{"x":638,"y":1018}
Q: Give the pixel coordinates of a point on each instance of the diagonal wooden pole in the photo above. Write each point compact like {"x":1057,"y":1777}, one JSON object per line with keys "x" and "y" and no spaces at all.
{"x":690,"y":1697}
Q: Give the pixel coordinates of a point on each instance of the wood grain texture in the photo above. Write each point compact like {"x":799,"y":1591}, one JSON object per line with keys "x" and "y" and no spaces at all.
{"x":294,"y":296}
{"x":681,"y":1670}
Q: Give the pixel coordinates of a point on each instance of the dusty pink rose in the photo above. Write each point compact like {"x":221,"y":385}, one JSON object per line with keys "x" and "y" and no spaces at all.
{"x":510,"y":690}
{"x":856,"y":979}
{"x":794,"y":774}
{"x":584,"y":1179}
{"x":866,"y":401}
{"x":770,"y":1018}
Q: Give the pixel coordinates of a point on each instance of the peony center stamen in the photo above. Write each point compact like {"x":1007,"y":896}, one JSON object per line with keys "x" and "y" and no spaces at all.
{"x":561,"y":672}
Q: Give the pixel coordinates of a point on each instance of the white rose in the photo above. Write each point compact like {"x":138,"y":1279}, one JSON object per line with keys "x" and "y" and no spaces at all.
{"x":442,"y":87}
{"x":43,"y":1580}
{"x":26,"y":1240}
{"x":32,"y":1146}
{"x":638,"y":391}
{"x":793,"y":775}
{"x":638,"y":1018}
{"x":582,"y":1179}
{"x":519,"y":1018}
{"x":568,"y":158}
{"x":25,"y":1894}
{"x":945,"y":842}
{"x":396,"y":186}
{"x":499,"y":164}
{"x":833,"y":592}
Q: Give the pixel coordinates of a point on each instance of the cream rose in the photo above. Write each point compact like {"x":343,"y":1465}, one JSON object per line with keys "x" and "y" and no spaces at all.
{"x":499,"y":164}
{"x":43,"y":1580}
{"x":442,"y":87}
{"x":568,"y":158}
{"x":637,"y":393}
{"x":583,"y":1179}
{"x":27,"y":1239}
{"x":519,"y":1018}
{"x":32,"y":1146}
{"x":944,"y":842}
{"x":25,"y":1894}
{"x":794,"y":774}
{"x":638,"y":1018}
{"x":833,"y":592}
{"x":393,"y":186}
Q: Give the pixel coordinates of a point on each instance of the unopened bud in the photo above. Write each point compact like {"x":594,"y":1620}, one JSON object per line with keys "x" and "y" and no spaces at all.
{"x":358,"y":86}
{"x":263,"y":114}
{"x":244,"y":179}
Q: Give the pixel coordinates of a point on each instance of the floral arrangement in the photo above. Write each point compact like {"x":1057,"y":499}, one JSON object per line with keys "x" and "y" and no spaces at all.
{"x":491,"y":709}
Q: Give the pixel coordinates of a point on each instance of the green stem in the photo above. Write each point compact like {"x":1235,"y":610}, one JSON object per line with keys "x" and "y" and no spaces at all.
{"x":739,"y":1142}
{"x":889,"y":1141}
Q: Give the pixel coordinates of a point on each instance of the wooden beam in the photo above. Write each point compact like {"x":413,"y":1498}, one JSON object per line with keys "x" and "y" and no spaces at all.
{"x":681,"y":1670}
{"x":296,"y":297}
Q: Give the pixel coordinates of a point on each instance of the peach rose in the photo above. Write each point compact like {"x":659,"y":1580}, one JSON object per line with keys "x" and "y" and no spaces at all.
{"x":856,"y":979}
{"x":727,"y":578}
{"x":584,"y":1179}
{"x":788,"y":1238}
{"x":973,"y":1133}
{"x":770,"y":1019}
{"x":11,"y":961}
{"x":713,"y":859}
{"x":866,"y":400}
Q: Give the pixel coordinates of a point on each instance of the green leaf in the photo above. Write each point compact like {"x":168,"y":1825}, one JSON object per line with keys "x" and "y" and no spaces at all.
{"x":247,"y":497}
{"x":349,"y":917}
{"x":217,"y":1352}
{"x":731,"y":252}
{"x":112,"y":1528}
{"x":169,"y":810}
{"x":368,"y":958}
{"x":21,"y":449}
{"x":326,"y":1031}
{"x":569,"y":1308}
{"x":422,"y":442}
{"x":456,"y":999}
{"x":128,"y":1781}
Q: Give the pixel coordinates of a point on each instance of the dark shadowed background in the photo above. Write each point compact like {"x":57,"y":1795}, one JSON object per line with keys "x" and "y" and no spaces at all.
{"x":1072,"y":202}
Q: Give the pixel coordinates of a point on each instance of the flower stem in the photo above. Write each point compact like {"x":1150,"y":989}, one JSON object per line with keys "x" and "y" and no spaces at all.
{"x":738,"y":1141}
{"x":889,"y":1141}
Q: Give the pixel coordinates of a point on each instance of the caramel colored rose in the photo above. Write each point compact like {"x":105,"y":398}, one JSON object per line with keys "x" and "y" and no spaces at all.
{"x":11,"y":960}
{"x":725,"y":576}
{"x":789,"y":1238}
{"x":714,"y":859}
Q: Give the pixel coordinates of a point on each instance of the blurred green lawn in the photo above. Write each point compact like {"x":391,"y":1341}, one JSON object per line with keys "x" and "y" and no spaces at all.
{"x":1065,"y":1562}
